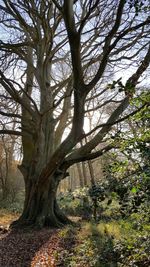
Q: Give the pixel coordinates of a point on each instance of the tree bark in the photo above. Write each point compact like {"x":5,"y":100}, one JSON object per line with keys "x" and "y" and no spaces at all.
{"x":40,"y":207}
{"x":84,"y":174}
{"x":80,"y":174}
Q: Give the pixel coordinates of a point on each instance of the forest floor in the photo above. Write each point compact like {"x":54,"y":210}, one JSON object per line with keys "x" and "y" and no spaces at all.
{"x":36,"y":248}
{"x":110,"y":243}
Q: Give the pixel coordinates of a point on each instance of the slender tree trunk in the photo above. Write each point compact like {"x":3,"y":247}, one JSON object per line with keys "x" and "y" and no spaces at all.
{"x":84,"y":174}
{"x":80,"y":174}
{"x":91,"y":170}
{"x":5,"y":192}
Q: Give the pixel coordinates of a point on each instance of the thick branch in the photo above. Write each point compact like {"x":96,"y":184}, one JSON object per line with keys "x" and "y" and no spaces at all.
{"x":74,"y":41}
{"x":70,"y":160}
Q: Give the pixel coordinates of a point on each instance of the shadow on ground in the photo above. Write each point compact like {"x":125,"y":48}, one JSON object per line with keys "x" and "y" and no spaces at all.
{"x":20,"y":248}
{"x":105,"y":245}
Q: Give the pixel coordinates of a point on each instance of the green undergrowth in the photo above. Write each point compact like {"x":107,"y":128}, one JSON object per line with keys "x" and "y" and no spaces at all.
{"x":15,"y":205}
{"x":122,"y":243}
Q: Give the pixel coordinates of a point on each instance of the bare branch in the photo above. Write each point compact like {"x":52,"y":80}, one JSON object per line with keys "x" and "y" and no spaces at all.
{"x":57,"y":5}
{"x":10,"y":115}
{"x":11,"y":132}
{"x":107,"y":47}
{"x":14,"y":93}
{"x":119,"y":120}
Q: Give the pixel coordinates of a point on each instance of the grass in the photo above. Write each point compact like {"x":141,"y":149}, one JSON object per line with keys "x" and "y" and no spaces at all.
{"x":107,"y":244}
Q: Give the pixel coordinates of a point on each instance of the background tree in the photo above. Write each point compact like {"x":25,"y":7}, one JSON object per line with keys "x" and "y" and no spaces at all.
{"x":10,"y":178}
{"x":55,"y":57}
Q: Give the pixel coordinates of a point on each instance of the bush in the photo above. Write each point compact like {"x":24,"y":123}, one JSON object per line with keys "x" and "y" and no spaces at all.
{"x":13,"y":206}
{"x":75,"y":203}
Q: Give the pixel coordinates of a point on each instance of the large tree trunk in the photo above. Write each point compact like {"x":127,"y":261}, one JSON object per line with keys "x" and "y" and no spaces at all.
{"x":40,"y":207}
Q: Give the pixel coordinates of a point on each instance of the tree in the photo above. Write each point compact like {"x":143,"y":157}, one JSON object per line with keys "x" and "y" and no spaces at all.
{"x":55,"y":57}
{"x":6,"y":164}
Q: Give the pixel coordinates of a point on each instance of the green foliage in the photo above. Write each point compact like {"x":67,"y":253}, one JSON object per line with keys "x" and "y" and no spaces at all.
{"x":67,"y":232}
{"x":117,"y":243}
{"x":132,"y":192}
{"x":133,"y":248}
{"x":75,"y":203}
{"x":128,"y":172}
{"x":116,"y":84}
{"x":13,"y":206}
{"x":93,"y":246}
{"x":87,"y":202}
{"x":97,"y":192}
